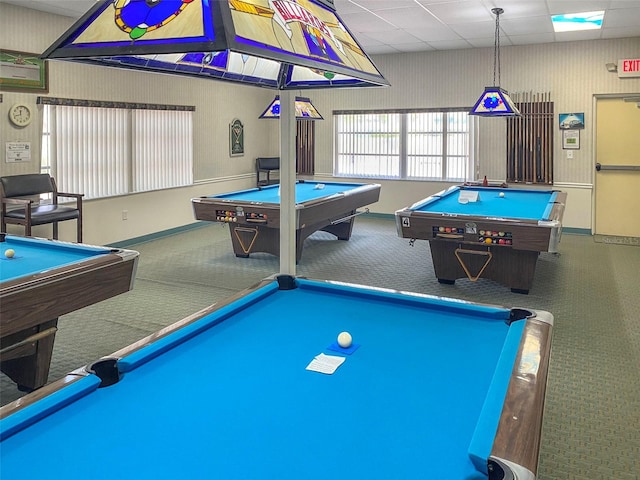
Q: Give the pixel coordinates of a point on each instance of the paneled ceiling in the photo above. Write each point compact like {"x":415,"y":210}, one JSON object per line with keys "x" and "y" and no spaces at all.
{"x":395,"y":26}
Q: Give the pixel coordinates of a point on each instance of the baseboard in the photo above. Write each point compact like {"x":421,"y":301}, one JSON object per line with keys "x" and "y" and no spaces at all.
{"x":576,"y":231}
{"x":157,"y":235}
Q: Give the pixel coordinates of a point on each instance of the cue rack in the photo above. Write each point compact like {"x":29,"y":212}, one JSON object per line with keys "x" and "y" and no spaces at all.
{"x":530,"y":139}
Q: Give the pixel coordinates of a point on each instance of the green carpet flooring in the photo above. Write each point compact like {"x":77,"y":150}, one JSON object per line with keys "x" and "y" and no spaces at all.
{"x":591,"y":426}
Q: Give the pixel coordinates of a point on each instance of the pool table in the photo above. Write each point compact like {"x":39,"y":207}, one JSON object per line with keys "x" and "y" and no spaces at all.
{"x":46,"y":279}
{"x":480,"y":232}
{"x":431,"y":388}
{"x":254,"y":215}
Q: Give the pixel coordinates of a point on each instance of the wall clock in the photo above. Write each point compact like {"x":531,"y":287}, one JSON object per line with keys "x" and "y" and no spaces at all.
{"x":20,"y":115}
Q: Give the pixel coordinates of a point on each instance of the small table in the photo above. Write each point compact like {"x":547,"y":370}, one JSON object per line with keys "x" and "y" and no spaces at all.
{"x":437,"y":388}
{"x":46,"y":279}
{"x":499,"y":236}
{"x":254,"y":215}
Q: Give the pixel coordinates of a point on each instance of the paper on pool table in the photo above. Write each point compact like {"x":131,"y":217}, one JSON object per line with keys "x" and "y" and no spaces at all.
{"x":327,"y":364}
{"x":468,"y":196}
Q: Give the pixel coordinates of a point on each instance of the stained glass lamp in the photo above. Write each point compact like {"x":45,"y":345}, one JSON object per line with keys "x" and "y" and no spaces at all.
{"x":305,"y":110}
{"x":495,"y":101}
{"x":280,"y":44}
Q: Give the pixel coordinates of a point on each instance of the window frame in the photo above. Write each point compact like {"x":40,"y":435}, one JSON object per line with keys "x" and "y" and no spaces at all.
{"x":403,"y":149}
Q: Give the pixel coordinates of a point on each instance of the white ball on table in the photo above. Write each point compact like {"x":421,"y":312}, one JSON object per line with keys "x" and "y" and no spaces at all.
{"x":344,"y":339}
{"x":9,"y":253}
{"x":501,"y":194}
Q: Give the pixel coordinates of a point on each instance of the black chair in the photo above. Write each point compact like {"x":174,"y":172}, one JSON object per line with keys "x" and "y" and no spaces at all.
{"x":267,"y":166}
{"x":18,"y":209}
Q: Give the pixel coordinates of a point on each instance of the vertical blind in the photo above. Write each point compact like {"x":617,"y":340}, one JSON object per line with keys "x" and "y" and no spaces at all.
{"x":162,"y":144}
{"x":104,"y":152}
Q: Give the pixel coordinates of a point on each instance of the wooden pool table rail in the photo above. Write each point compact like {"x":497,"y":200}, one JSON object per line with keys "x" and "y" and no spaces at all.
{"x":517,"y":442}
{"x":31,"y":305}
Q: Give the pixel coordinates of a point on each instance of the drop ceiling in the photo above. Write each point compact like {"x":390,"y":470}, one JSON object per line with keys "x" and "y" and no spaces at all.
{"x":397,"y":26}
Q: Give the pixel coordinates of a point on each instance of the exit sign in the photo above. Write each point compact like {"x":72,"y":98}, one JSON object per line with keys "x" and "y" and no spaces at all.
{"x":629,"y":67}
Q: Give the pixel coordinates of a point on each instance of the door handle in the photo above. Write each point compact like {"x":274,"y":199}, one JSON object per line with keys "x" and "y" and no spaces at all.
{"x":600,"y":167}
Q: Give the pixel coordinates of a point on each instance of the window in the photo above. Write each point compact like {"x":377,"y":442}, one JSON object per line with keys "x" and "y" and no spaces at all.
{"x":103,"y":151}
{"x":416,"y":145}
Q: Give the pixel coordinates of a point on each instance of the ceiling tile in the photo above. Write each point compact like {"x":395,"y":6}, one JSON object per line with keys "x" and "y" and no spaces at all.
{"x":450,"y":45}
{"x":623,"y":17}
{"x":557,"y":7}
{"x":533,"y":38}
{"x":415,"y":17}
{"x":434,"y":33}
{"x":475,"y":29}
{"x":523,"y":26}
{"x":461,"y":12}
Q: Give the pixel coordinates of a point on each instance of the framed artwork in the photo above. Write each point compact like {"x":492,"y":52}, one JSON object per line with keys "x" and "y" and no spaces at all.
{"x":23,"y":72}
{"x":236,"y":138}
{"x":571,"y":121}
{"x":571,"y":139}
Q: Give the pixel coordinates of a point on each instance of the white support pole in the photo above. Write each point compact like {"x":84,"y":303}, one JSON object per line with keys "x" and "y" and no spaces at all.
{"x":287,"y":183}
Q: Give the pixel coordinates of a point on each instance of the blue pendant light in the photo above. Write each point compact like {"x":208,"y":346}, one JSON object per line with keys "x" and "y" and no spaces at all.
{"x":495,"y":101}
{"x":305,"y":110}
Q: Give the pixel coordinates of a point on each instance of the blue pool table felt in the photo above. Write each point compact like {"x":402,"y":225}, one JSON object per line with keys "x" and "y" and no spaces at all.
{"x":33,"y":255}
{"x":235,"y":400}
{"x":516,"y":203}
{"x":305,"y":191}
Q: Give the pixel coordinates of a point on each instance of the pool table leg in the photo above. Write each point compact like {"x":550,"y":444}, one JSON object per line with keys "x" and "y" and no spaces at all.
{"x":512,"y":268}
{"x":341,"y":230}
{"x":28,"y":363}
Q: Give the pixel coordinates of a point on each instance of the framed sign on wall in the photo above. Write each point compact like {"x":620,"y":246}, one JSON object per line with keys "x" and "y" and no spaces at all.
{"x":23,"y":72}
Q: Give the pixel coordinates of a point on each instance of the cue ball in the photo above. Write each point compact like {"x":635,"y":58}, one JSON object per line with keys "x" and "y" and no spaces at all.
{"x":9,"y":253}
{"x":344,"y":339}
{"x":501,"y":194}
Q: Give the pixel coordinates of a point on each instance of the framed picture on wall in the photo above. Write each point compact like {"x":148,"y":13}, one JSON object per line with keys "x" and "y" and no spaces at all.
{"x":23,"y":72}
{"x":571,"y":139}
{"x":236,"y":138}
{"x":571,"y":121}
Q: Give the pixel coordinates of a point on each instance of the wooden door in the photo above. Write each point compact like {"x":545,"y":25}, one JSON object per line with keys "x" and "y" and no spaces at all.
{"x":617,"y":176}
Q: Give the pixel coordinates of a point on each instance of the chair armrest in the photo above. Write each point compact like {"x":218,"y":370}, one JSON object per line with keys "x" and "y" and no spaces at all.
{"x":73,"y":195}
{"x":24,"y":203}
{"x":77,"y":196}
{"x":17,"y":201}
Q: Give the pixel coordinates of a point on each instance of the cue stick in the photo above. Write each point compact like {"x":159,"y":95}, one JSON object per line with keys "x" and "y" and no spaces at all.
{"x":527,"y":139}
{"x":511,"y":150}
{"x":538,"y":145}
{"x":550,"y":138}
{"x":531,"y":133}
{"x":31,"y":339}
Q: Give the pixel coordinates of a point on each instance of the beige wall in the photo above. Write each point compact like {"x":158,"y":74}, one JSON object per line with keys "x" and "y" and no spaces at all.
{"x":572,"y":72}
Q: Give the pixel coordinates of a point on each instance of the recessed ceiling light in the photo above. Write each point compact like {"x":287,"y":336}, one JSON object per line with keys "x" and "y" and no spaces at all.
{"x":571,"y":22}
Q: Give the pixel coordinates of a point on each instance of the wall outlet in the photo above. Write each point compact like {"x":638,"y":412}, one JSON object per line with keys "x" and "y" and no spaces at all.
{"x":125,"y":214}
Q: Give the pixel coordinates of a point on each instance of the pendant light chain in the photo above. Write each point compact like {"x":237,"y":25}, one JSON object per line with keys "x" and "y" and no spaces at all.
{"x":496,"y":46}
